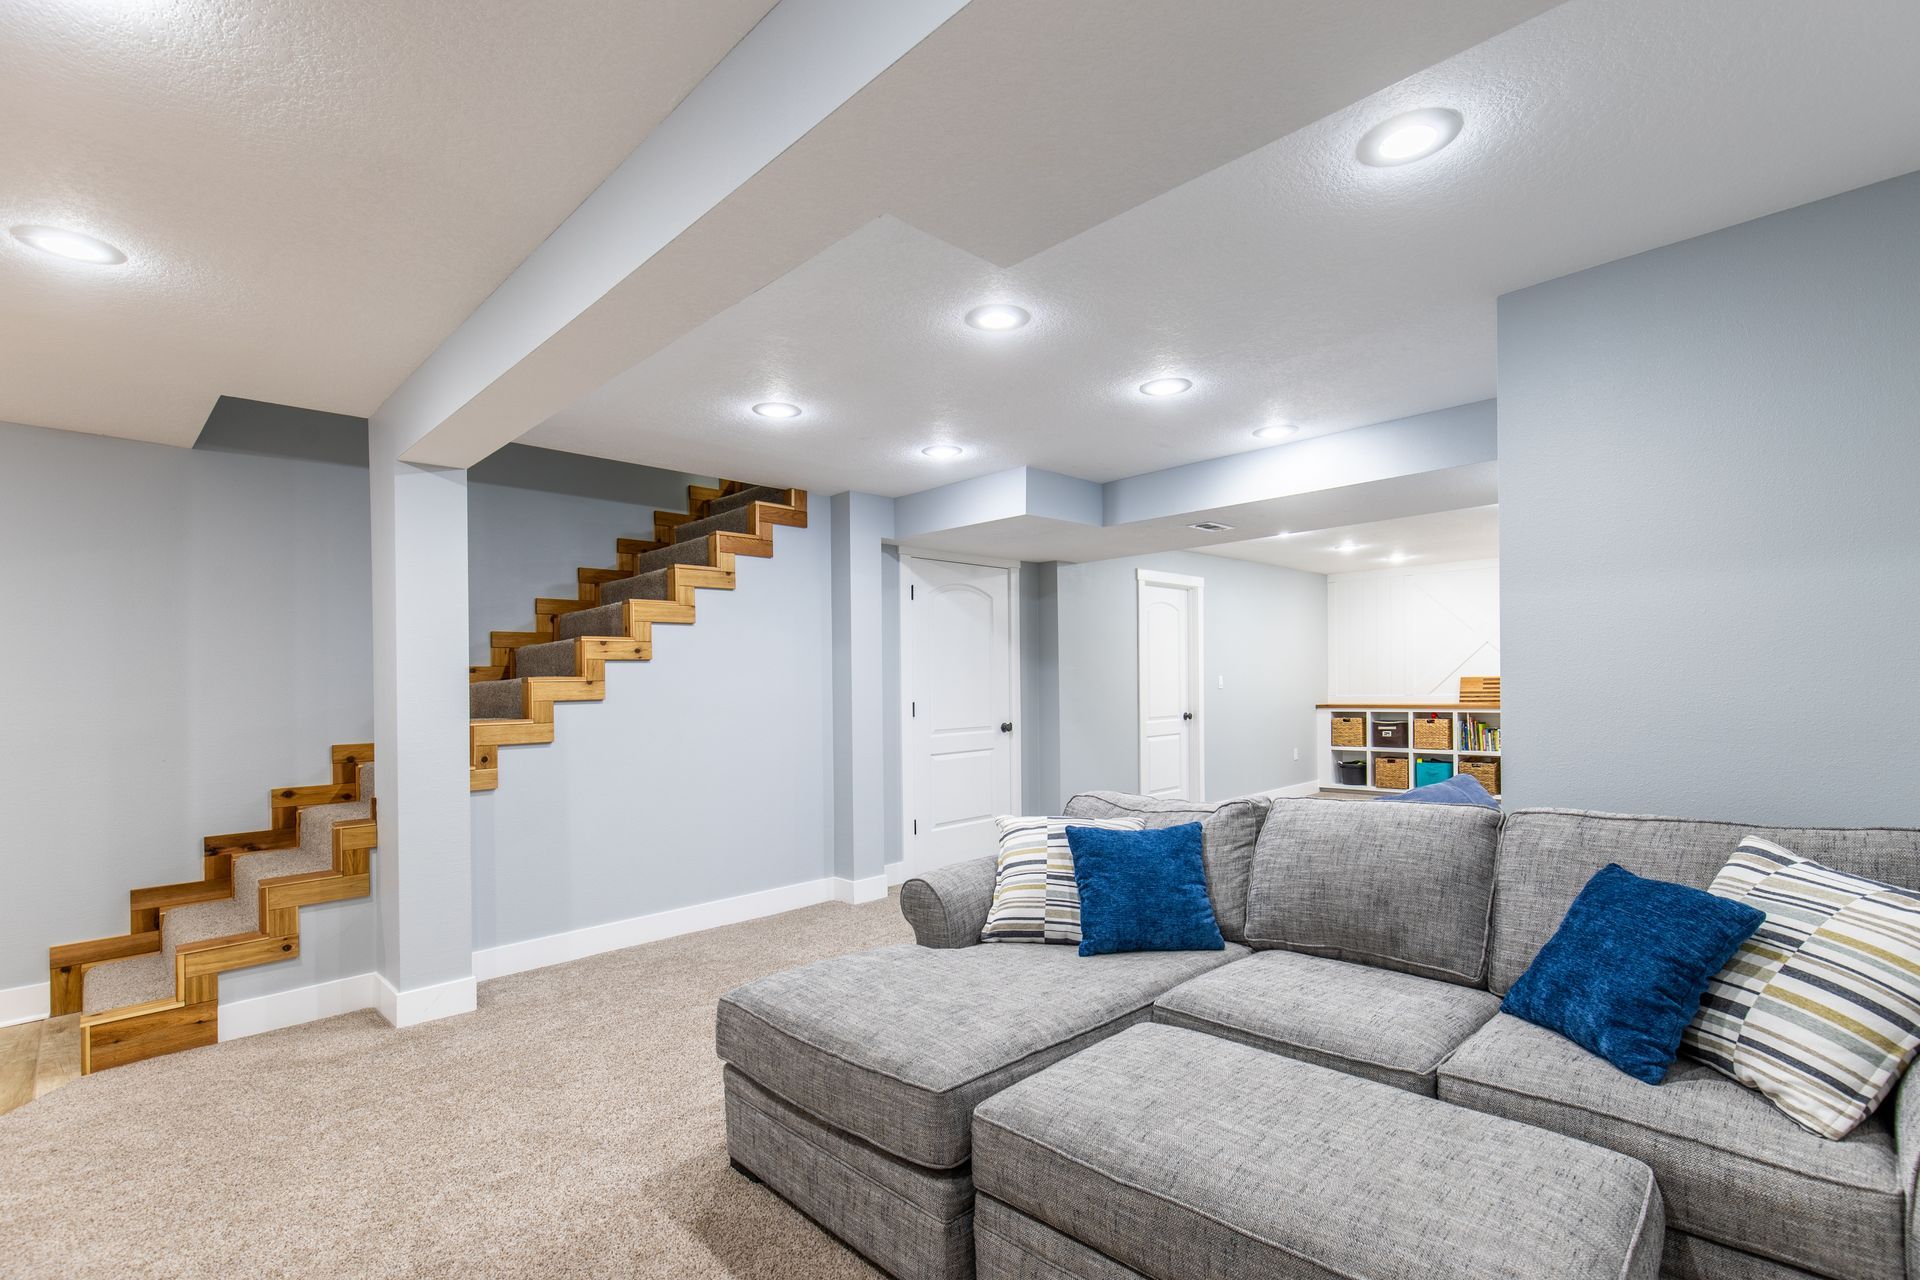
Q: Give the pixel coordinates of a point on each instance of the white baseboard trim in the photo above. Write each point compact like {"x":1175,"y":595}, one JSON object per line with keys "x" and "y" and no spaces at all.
{"x":280,"y":1009}
{"x":407,"y":1008}
{"x":897,"y":874}
{"x":425,"y":1004}
{"x":869,"y":889}
{"x":1296,"y":790}
{"x":24,"y":1004}
{"x":577,"y":944}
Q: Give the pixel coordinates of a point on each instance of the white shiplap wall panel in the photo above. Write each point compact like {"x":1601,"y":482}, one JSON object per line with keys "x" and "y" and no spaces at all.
{"x":1409,"y":634}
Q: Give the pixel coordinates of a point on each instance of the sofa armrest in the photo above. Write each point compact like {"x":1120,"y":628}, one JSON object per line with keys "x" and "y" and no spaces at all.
{"x":947,"y":906}
{"x":1906,"y":1142}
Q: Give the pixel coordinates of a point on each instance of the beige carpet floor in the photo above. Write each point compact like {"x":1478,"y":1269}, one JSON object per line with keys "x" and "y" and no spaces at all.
{"x":571,"y":1126}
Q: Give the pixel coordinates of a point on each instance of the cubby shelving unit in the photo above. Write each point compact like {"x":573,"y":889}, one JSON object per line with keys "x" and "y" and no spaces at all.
{"x":1388,"y":732}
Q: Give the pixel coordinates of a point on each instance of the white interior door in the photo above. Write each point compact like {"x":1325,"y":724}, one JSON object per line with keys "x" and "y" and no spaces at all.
{"x":1170,"y":684}
{"x":961,"y":665}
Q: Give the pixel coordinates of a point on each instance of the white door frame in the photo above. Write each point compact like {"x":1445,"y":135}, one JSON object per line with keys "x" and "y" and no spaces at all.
{"x":1196,"y":670}
{"x":909,"y":841}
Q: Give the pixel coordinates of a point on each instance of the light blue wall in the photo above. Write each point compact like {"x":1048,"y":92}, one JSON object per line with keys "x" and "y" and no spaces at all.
{"x":534,"y":516}
{"x":186,"y":630}
{"x":1710,"y":522}
{"x":704,"y":775}
{"x":1266,"y":634}
{"x":1040,"y":688}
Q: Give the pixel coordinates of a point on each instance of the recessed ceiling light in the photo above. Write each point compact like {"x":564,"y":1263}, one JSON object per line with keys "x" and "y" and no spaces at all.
{"x":1166,"y":386}
{"x":1212,"y":526}
{"x":777,"y":409}
{"x":1284,"y":533}
{"x":1347,"y":548}
{"x":1398,"y":557}
{"x":943,"y":451}
{"x":1414,"y":135}
{"x":1275,"y":431}
{"x":997,"y":317}
{"x":70,"y":244}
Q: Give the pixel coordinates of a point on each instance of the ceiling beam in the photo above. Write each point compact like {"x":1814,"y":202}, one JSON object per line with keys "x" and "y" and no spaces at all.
{"x":798,"y":65}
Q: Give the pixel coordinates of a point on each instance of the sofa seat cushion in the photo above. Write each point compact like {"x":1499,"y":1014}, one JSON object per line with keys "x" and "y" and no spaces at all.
{"x":1392,"y":1027}
{"x":898,"y":1045}
{"x":1181,"y":1154}
{"x":1733,"y":1169}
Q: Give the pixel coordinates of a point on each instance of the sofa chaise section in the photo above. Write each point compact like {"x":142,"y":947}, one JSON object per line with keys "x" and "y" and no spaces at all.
{"x":1749,"y":1193}
{"x":1171,"y":1153}
{"x":1735,"y":1170}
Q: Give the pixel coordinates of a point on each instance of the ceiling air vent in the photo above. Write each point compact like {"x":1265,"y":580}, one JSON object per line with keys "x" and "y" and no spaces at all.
{"x":1212,"y":526}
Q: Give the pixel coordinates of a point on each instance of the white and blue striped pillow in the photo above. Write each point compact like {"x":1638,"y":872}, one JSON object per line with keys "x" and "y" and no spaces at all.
{"x":1035,"y":897}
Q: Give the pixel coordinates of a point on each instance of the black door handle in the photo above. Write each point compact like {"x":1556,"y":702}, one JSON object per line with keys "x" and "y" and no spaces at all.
{"x":1006,"y":726}
{"x":1186,"y":715}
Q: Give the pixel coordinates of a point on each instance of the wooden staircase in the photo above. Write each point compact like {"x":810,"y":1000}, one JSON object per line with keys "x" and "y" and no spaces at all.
{"x":156,"y":988}
{"x":625,"y":633}
{"x":182,"y":1007}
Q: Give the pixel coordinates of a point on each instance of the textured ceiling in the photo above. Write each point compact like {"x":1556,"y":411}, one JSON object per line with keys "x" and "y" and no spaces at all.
{"x":1440,"y":538}
{"x":1292,"y":282}
{"x":313,"y":193}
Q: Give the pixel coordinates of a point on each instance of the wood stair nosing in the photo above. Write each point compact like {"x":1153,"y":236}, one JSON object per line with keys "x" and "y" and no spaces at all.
{"x":191,"y":1016}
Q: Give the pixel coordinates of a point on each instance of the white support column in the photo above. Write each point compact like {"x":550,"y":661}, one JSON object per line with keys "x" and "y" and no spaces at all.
{"x":420,"y":735}
{"x":861,"y":522}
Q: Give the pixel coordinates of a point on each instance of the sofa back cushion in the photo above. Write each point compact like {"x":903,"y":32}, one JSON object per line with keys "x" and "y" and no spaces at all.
{"x":1397,"y":886}
{"x":1229,"y":830}
{"x":1546,"y":855}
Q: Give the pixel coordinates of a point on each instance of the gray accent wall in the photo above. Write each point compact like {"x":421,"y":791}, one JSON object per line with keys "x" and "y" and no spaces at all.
{"x":187,"y":629}
{"x":1710,"y":523}
{"x":534,"y":516}
{"x":1265,"y":633}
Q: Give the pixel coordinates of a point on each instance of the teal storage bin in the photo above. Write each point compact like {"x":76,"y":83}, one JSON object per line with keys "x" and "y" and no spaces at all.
{"x":1427,"y":772}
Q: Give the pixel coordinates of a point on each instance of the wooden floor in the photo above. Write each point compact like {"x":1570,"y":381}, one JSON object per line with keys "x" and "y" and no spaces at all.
{"x":38,"y":1057}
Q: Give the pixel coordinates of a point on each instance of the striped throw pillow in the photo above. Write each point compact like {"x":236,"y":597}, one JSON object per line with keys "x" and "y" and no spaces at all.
{"x":1798,"y":896}
{"x":1820,"y":1010}
{"x":1035,"y":897}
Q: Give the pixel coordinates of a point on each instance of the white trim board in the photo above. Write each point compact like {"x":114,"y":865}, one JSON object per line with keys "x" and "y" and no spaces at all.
{"x":280,"y":1009}
{"x":617,"y":935}
{"x":24,"y":1004}
{"x":412,"y":1007}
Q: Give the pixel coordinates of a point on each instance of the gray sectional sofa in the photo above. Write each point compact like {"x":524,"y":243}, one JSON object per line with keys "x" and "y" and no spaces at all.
{"x":1334,"y":1094}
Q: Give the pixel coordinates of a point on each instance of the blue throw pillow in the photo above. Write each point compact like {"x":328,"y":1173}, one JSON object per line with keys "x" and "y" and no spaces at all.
{"x":1143,"y":891}
{"x":1461,"y":788}
{"x":1623,"y":975}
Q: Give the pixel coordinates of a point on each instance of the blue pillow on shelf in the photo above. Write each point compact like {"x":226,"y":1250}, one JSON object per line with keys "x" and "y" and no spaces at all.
{"x":1623,"y":975}
{"x":1143,"y":890}
{"x":1461,"y":788}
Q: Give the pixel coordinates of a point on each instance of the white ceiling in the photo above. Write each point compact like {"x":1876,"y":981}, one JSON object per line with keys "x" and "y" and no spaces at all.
{"x":312,"y":193}
{"x":1290,"y":283}
{"x":1444,"y":537}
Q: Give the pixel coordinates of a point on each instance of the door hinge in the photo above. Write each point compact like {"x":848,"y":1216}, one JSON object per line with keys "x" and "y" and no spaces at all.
{"x":916,"y":826}
{"x":910,"y":590}
{"x":913,"y":710}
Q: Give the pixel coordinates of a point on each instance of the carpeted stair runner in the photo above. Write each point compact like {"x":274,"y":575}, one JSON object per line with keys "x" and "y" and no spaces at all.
{"x":506,"y":699}
{"x":116,"y":984}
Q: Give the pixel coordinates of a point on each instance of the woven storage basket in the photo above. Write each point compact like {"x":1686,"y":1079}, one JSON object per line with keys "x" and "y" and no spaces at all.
{"x":1433,"y":733}
{"x":1349,"y":731}
{"x":1391,"y":772}
{"x":1487,"y":771}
